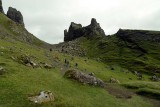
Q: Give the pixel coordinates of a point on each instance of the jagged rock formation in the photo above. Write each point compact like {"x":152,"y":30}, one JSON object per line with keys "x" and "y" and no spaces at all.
{"x":15,"y":15}
{"x":1,"y":7}
{"x":76,"y":30}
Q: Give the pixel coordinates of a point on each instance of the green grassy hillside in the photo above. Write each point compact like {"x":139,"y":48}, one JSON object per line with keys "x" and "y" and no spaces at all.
{"x":137,"y":55}
{"x":20,"y":81}
{"x":16,"y":32}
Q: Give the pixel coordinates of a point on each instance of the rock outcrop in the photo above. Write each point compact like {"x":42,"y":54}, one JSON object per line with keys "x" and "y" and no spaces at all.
{"x":43,"y":97}
{"x":138,"y":35}
{"x":76,"y":30}
{"x":1,"y":7}
{"x":15,"y":15}
{"x":84,"y":78}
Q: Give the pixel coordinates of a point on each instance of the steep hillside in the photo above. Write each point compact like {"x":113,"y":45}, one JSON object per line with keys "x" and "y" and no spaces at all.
{"x":135,"y":50}
{"x":12,"y":31}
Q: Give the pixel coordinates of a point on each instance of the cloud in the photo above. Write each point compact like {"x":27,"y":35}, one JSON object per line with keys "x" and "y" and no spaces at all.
{"x":47,"y":19}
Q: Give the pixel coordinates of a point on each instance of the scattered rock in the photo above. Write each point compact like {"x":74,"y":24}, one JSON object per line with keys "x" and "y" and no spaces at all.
{"x":2,"y":70}
{"x":113,"y":80}
{"x":33,"y":64}
{"x":139,"y":75}
{"x":84,"y":78}
{"x":27,"y":60}
{"x":91,"y":74}
{"x":13,"y":58}
{"x":43,"y":97}
{"x":155,"y":78}
{"x":47,"y":66}
{"x":71,"y":48}
{"x":15,"y":15}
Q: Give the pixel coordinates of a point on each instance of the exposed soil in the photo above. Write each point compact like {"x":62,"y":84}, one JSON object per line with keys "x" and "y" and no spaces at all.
{"x":119,"y":92}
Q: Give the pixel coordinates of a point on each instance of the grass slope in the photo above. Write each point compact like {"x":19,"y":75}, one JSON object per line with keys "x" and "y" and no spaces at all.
{"x":20,"y":81}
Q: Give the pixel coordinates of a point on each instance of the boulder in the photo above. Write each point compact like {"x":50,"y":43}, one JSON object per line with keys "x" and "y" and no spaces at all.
{"x":43,"y":97}
{"x":15,"y":15}
{"x":84,"y":78}
{"x":1,"y":7}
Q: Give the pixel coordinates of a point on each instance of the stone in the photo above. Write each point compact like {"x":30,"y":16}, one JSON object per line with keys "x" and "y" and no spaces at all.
{"x":2,"y":70}
{"x":113,"y":80}
{"x":15,"y":15}
{"x":139,"y":75}
{"x":33,"y":64}
{"x":84,"y":78}
{"x":27,"y":60}
{"x":47,"y":66}
{"x":155,"y":78}
{"x":76,"y":30}
{"x":43,"y":97}
{"x":1,"y":7}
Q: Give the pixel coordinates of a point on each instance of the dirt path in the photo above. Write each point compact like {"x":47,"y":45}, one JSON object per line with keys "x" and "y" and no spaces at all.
{"x":119,"y":92}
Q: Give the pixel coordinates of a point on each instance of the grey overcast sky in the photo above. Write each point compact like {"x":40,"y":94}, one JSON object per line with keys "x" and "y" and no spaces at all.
{"x":47,"y":19}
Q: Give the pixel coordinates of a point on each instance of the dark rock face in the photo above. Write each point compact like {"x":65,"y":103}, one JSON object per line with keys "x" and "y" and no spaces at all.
{"x":139,"y":35}
{"x":1,"y":7}
{"x":73,"y":32}
{"x":76,"y":31}
{"x":15,"y":15}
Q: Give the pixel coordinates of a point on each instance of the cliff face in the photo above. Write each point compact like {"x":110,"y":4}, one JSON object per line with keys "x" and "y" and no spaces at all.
{"x":1,"y":7}
{"x":138,"y":35}
{"x":15,"y":15}
{"x":76,"y":30}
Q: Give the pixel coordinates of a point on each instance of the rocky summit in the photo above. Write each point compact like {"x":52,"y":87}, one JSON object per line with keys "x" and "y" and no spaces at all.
{"x":1,"y":7}
{"x":76,"y":30}
{"x":15,"y":15}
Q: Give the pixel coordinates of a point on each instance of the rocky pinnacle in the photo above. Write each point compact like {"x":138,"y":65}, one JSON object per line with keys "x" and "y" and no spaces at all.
{"x":1,"y":7}
{"x":76,"y":30}
{"x":15,"y":15}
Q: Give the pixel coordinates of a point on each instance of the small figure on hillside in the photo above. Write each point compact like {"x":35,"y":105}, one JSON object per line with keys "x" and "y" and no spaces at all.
{"x":76,"y":65}
{"x":65,"y":60}
{"x":50,"y":50}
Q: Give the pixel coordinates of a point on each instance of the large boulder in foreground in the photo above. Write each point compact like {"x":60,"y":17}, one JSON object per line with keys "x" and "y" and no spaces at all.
{"x":76,"y":30}
{"x":1,"y":7}
{"x":43,"y":97}
{"x":15,"y":15}
{"x":84,"y":78}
